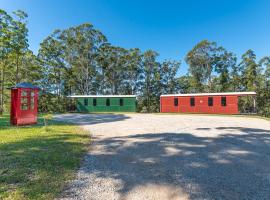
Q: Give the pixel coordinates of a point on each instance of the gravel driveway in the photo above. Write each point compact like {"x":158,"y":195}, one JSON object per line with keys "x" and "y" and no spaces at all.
{"x":148,"y":156}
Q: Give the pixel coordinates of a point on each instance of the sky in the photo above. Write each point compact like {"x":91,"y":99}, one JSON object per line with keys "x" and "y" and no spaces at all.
{"x":170,"y":27}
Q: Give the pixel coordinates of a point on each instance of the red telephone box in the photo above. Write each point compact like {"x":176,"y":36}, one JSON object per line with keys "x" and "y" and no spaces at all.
{"x":24,"y":104}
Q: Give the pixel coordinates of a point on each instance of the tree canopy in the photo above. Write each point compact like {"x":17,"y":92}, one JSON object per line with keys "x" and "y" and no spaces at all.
{"x":81,"y":60}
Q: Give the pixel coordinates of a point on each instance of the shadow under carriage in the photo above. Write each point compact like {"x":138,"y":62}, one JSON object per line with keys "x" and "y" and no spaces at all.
{"x":90,"y":119}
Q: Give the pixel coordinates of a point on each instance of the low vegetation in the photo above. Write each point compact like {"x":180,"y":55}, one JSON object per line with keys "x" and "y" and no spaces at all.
{"x":37,"y":161}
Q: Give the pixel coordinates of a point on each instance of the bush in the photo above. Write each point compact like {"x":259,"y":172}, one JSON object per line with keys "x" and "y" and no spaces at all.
{"x":50,"y":103}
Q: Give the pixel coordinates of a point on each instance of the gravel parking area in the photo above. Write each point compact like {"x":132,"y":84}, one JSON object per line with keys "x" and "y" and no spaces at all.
{"x":172,"y":157}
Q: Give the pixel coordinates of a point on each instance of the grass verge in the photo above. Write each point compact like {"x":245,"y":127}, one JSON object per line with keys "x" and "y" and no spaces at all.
{"x":218,"y":115}
{"x":37,"y":161}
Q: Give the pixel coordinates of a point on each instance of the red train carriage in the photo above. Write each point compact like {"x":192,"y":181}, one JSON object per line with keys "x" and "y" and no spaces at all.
{"x":215,"y":103}
{"x":24,"y":104}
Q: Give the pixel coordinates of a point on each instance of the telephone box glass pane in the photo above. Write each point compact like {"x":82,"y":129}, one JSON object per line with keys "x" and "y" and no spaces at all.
{"x":24,"y":107}
{"x":24,"y":100}
{"x":24,"y":93}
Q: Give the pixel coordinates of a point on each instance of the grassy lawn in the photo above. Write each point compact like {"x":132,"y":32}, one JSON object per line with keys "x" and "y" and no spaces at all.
{"x":37,"y":161}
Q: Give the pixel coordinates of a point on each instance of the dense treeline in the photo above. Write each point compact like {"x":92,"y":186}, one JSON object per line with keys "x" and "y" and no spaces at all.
{"x":80,"y":60}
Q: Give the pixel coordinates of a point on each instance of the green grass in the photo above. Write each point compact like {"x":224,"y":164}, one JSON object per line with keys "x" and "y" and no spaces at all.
{"x":221,"y":115}
{"x":37,"y":161}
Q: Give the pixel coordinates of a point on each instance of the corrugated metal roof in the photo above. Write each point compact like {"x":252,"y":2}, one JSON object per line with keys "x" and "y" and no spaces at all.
{"x":97,"y":96}
{"x":210,"y":94}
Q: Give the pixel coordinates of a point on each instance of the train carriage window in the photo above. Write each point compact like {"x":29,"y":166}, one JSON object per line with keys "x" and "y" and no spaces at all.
{"x":121,"y":102}
{"x":223,"y":101}
{"x":175,"y":101}
{"x":86,"y":102}
{"x":108,"y":103}
{"x":210,"y":101}
{"x":94,"y":102}
{"x":192,"y":101}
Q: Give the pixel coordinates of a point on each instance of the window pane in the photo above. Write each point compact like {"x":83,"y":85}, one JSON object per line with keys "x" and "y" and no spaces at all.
{"x":32,"y":93}
{"x":108,"y":103}
{"x":24,"y":103}
{"x":24,"y":107}
{"x":86,"y":102}
{"x":223,"y":101}
{"x":192,"y":101}
{"x":175,"y":101}
{"x":24,"y":100}
{"x":94,"y":102}
{"x":210,"y":101}
{"x":121,"y":102}
{"x":24,"y":93}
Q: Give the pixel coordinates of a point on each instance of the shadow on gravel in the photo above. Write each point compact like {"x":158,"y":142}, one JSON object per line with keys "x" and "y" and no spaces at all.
{"x":231,"y":166}
{"x":88,"y":119}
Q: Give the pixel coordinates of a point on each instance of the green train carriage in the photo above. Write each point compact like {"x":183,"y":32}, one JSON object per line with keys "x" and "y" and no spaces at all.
{"x":105,"y":103}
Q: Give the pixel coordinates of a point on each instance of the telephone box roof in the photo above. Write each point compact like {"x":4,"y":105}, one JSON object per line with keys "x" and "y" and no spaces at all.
{"x":25,"y":85}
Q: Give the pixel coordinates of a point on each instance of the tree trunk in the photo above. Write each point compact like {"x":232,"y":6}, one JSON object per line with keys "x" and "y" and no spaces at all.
{"x":2,"y":90}
{"x":17,"y":69}
{"x":1,"y":94}
{"x":147,"y":98}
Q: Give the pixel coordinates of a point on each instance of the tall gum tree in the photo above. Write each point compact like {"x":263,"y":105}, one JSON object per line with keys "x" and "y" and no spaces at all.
{"x":5,"y":50}
{"x":200,"y":60}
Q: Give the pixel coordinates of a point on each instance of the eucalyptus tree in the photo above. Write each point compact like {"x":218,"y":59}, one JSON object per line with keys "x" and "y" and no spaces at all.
{"x":5,"y":50}
{"x":133,"y":72}
{"x":113,"y":63}
{"x":184,"y":84}
{"x":265,"y":65}
{"x":251,"y":70}
{"x":151,"y":80}
{"x":224,"y":63}
{"x":51,"y":57}
{"x":205,"y":59}
{"x":201,"y":60}
{"x":236,"y":78}
{"x":32,"y":70}
{"x":169,"y":81}
{"x":263,"y":93}
{"x":81,"y":45}
{"x":19,"y":41}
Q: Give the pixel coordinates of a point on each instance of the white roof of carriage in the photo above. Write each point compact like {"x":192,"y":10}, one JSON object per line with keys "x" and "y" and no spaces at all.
{"x":210,"y":94}
{"x":100,"y":96}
